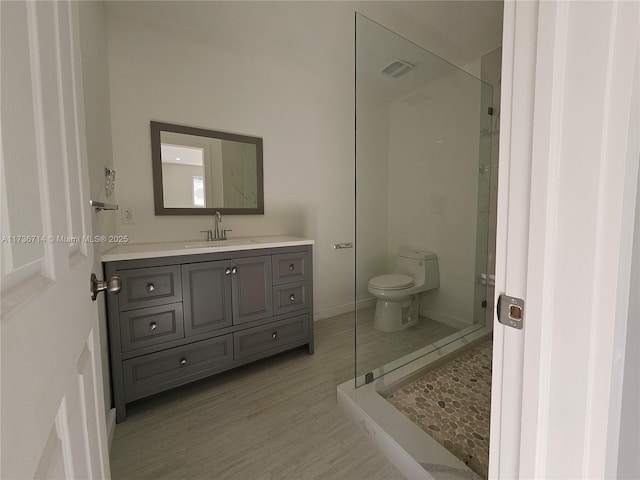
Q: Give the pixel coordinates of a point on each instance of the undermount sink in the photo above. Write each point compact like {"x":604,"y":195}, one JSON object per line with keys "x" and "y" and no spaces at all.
{"x":222,"y":243}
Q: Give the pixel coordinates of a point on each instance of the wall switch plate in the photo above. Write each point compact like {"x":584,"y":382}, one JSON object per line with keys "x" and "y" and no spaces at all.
{"x":128,"y":215}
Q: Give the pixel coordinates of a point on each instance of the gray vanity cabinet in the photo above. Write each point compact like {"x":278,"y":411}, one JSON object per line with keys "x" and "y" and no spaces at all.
{"x":252,"y":287}
{"x":182,"y":318}
{"x":219,"y":294}
{"x":207,"y":296}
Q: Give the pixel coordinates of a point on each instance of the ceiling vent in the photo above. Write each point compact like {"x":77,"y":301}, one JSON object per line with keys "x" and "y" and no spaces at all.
{"x":398,"y":68}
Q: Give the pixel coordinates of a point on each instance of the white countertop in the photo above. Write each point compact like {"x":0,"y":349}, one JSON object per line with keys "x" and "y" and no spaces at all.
{"x":134,"y":251}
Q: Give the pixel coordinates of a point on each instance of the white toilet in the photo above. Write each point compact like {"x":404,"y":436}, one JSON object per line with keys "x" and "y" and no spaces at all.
{"x":398,"y":294}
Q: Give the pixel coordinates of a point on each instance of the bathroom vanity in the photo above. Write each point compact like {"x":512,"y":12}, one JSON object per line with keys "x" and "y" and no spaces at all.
{"x":190,"y":310}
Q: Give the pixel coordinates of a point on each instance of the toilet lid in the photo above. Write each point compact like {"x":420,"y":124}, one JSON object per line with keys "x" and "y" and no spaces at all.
{"x":391,"y":281}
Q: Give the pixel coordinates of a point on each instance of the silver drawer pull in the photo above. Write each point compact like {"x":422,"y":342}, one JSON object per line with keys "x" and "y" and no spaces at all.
{"x":153,"y":326}
{"x":274,"y":335}
{"x":234,"y":270}
{"x":292,"y":297}
{"x":183,"y":361}
{"x":150,"y":287}
{"x":227,"y":271}
{"x":292,"y":267}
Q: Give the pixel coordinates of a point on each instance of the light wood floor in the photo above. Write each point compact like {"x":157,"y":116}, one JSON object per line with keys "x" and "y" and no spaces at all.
{"x":275,"y":419}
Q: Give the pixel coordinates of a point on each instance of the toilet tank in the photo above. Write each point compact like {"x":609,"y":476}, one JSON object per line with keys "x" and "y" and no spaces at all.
{"x":422,"y":266}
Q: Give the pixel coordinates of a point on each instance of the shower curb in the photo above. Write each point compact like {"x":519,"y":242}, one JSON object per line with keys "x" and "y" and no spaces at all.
{"x":414,"y":453}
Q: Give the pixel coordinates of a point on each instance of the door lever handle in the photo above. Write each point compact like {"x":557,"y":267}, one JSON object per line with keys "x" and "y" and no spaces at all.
{"x":113,"y":285}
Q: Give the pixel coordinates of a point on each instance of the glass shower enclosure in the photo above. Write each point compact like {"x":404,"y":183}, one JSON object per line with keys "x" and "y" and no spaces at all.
{"x":423,"y":148}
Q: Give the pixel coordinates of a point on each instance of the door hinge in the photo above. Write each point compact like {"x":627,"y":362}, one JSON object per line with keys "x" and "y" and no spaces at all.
{"x":510,"y":311}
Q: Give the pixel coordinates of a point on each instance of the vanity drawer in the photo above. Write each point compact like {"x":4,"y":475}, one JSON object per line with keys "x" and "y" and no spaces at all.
{"x":270,"y":338}
{"x":158,"y":371}
{"x":151,"y":326}
{"x":290,"y":297}
{"x":290,"y":267}
{"x":145,"y":287}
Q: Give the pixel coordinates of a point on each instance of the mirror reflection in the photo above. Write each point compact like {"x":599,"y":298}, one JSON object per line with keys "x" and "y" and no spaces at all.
{"x":199,"y":171}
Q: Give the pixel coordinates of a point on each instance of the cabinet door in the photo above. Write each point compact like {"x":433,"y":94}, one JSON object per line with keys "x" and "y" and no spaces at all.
{"x":252,"y":289}
{"x":206,"y":296}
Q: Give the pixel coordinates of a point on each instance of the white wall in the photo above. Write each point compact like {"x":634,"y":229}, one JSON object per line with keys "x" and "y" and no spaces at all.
{"x":276,"y":86}
{"x":95,"y":76}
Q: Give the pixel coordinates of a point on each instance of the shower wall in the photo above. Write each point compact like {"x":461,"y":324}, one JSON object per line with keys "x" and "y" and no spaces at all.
{"x":414,"y":161}
{"x":372,"y":144}
{"x":433,"y":187}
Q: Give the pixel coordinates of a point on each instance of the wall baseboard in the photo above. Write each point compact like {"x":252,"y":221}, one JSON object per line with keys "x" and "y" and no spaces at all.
{"x":444,"y":318}
{"x":371,"y":303}
{"x":111,"y":426}
{"x":342,"y":309}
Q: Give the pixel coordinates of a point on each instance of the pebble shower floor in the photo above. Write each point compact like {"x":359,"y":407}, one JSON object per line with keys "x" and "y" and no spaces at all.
{"x":452,"y":403}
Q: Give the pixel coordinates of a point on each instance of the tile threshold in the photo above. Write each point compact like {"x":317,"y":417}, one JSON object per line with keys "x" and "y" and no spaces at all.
{"x":414,"y":452}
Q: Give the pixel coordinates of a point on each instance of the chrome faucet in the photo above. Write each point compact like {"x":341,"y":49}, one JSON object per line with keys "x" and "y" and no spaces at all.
{"x":216,"y":232}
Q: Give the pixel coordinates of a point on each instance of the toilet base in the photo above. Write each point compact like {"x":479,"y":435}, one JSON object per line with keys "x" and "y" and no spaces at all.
{"x":393,"y":317}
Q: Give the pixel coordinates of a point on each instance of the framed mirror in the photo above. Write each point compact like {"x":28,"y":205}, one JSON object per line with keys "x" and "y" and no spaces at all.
{"x":200,"y":172}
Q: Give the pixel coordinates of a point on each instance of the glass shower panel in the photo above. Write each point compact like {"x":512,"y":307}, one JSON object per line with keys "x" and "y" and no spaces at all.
{"x":422,"y":185}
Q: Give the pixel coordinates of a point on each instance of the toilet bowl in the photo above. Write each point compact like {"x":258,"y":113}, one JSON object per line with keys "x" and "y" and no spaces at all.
{"x":398,"y":293}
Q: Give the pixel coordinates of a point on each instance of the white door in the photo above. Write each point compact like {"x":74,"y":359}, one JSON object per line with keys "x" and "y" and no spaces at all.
{"x":53,"y":415}
{"x":569,"y":155}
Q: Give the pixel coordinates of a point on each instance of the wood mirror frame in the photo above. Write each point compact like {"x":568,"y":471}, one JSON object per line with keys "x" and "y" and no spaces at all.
{"x":156,"y":157}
